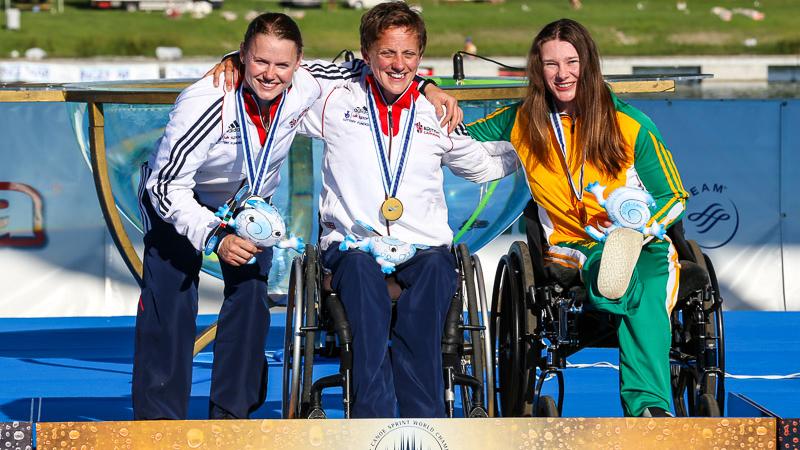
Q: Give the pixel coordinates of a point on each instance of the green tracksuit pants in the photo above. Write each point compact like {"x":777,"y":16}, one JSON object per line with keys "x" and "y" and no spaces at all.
{"x":643,"y":323}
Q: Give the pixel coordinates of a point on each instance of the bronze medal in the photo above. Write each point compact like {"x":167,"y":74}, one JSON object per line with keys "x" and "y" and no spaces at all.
{"x":582,"y":215}
{"x":392,"y":209}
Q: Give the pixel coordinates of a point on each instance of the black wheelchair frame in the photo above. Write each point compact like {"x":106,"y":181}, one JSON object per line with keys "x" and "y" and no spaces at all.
{"x":537,"y":321}
{"x":316,"y":325}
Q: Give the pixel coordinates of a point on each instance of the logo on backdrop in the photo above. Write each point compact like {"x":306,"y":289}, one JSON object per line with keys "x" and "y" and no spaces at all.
{"x":21,"y":216}
{"x":711,"y":217}
{"x":408,"y":434}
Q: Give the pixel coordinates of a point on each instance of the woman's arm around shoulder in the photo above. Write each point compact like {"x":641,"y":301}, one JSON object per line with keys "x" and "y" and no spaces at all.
{"x":479,"y":161}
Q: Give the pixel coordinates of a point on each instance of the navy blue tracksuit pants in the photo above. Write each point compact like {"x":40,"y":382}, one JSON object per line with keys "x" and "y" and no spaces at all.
{"x":165,"y":331}
{"x":409,"y":373}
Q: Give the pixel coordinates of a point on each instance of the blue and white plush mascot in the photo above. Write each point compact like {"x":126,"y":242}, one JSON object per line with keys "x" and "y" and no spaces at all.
{"x":627,"y":207}
{"x":387,"y":251}
{"x":260,"y":223}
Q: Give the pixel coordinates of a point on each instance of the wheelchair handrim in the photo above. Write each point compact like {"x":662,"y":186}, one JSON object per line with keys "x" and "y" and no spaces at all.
{"x":487,"y":338}
{"x":289,"y":367}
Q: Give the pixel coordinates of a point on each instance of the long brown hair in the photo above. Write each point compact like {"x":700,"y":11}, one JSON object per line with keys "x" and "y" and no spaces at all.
{"x":599,"y":131}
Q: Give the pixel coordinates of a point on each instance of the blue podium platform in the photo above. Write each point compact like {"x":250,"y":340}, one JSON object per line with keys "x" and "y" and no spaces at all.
{"x":79,"y":369}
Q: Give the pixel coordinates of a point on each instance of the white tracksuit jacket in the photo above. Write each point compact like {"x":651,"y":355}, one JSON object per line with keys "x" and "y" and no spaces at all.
{"x":352,"y":185}
{"x":200,"y":158}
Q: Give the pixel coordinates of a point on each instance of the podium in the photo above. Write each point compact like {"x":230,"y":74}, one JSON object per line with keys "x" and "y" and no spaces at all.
{"x":396,"y":434}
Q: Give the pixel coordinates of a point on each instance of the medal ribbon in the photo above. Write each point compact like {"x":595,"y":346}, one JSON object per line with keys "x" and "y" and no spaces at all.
{"x":256,"y":164}
{"x":555,"y":121}
{"x":390,"y":183}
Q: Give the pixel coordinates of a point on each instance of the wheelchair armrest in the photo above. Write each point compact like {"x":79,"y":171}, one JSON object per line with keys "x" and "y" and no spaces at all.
{"x":677,"y":234}
{"x":693,"y":278}
{"x":326,"y":282}
{"x":340,"y":324}
{"x":453,"y":336}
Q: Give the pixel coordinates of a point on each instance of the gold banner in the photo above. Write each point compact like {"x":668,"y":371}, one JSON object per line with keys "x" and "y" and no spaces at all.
{"x":166,"y":92}
{"x":412,"y":434}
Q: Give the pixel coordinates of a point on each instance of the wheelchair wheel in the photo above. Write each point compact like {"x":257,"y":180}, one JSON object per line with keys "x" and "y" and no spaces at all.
{"x":698,"y":378}
{"x":511,"y":323}
{"x":299,"y":335}
{"x":310,"y":303}
{"x":547,"y":407}
{"x":488,"y":348}
{"x":719,"y":329}
{"x":714,"y":328}
{"x":290,"y":404}
{"x":468,"y":276}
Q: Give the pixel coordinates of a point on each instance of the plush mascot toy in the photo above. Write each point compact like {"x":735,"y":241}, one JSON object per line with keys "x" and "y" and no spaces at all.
{"x":629,"y":211}
{"x":627,"y":208}
{"x":260,"y":223}
{"x":387,"y":251}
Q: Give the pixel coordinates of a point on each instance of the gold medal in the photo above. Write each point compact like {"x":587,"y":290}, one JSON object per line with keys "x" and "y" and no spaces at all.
{"x":392,"y":209}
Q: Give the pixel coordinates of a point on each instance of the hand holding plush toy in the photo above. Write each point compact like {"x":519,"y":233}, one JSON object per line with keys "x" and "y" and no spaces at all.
{"x":629,"y":211}
{"x":627,"y":208}
{"x":260,"y":223}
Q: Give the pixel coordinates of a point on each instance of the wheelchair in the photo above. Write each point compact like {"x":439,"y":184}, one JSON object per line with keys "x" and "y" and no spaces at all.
{"x":537,"y":322}
{"x":316,"y":327}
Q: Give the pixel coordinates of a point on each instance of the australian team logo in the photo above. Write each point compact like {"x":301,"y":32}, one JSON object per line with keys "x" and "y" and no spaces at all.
{"x":408,"y":434}
{"x":712,"y":218}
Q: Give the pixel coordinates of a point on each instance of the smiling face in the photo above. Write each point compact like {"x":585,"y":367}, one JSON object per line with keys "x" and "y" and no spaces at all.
{"x":269,"y":64}
{"x":394,"y":59}
{"x":562,"y":69}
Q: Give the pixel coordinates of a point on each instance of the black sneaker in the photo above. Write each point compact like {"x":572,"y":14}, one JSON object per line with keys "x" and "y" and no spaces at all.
{"x":655,"y":411}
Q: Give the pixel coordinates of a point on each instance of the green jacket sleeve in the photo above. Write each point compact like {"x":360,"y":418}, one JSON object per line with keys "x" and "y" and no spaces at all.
{"x":656,"y":168}
{"x":496,"y":126}
{"x":657,"y":171}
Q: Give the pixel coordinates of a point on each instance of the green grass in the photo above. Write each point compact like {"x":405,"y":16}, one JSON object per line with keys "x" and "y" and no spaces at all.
{"x":502,"y":29}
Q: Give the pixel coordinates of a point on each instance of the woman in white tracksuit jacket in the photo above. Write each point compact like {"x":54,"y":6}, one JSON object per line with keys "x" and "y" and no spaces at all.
{"x":382,"y":165}
{"x":214,"y":142}
{"x":200,"y":163}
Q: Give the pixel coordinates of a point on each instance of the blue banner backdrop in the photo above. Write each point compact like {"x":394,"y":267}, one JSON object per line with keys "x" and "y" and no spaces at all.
{"x":738,"y":159}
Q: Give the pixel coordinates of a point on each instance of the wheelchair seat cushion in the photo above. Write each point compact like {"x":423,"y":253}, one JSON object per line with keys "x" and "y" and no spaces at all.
{"x":693,"y":278}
